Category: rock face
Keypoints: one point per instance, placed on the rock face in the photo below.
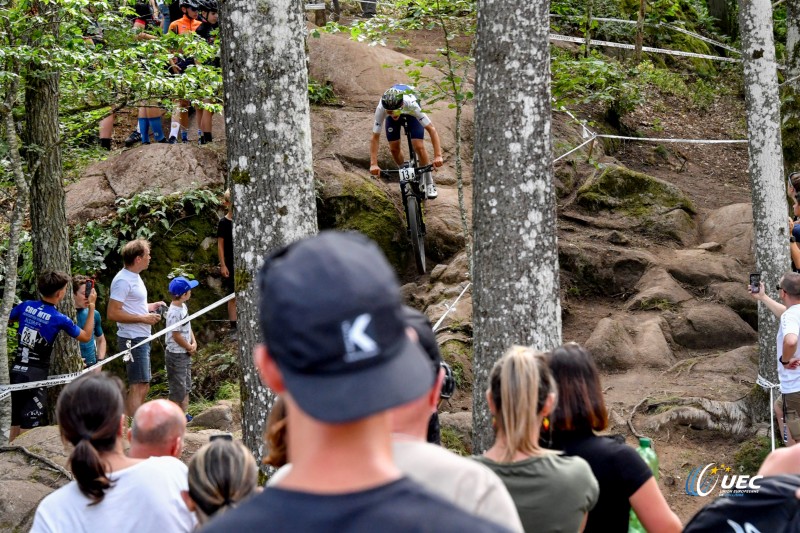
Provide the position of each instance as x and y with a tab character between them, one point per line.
219	417
732	227
603	269
700	268
658	290
611	345
703	326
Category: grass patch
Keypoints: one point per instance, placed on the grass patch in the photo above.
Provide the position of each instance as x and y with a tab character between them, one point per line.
228	391
452	442
660	304
751	454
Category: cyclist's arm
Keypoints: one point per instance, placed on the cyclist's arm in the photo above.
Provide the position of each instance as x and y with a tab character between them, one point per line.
437	145
373	149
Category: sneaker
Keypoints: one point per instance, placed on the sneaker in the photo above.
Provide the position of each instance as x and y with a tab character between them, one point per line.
189	417
431	191
162	141
172	139
132	139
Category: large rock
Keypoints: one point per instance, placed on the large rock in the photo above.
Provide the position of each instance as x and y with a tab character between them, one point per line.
611	345
735	295
732	227
739	362
652	348
166	168
602	269
709	325
700	268
219	416
658	290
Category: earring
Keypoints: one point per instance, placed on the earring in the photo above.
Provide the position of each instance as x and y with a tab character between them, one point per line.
494	423
546	423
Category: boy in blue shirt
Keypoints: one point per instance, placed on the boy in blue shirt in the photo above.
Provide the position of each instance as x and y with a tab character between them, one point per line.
39	323
94	349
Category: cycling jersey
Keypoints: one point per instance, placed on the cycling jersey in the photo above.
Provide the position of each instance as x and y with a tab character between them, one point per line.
410	107
183	25
39	322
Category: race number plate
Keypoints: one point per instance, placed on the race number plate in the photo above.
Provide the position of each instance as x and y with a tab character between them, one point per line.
407	174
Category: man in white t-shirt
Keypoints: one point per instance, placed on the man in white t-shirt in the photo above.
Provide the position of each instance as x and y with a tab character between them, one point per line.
157	431
787	408
128	307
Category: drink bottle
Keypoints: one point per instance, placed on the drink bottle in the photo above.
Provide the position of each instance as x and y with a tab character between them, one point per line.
647	453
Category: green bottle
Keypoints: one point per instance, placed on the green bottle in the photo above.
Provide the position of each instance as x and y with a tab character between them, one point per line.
649	455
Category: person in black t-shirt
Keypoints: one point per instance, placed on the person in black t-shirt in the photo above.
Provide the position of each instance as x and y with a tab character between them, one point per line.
225	250
625	479
338	352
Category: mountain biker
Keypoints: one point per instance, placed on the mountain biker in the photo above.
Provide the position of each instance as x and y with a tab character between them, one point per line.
400	100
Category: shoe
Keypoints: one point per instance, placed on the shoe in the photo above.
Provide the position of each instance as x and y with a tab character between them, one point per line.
431	191
162	141
172	139
132	139
145	142
189	417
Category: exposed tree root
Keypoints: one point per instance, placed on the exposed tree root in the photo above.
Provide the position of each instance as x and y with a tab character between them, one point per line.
55	466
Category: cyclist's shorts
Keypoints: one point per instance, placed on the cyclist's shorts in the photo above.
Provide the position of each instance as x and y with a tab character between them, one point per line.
393	128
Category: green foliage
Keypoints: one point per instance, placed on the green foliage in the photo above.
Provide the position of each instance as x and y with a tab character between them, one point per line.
228	391
321	93
452	442
751	454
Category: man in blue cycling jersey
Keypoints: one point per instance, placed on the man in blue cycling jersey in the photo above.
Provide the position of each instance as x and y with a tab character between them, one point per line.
399	100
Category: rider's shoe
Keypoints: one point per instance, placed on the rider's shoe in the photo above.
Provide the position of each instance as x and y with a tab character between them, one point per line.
430	190
132	139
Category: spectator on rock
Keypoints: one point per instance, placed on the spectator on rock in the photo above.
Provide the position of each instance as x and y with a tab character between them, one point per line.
787	407
338	352
225	250
552	492
222	474
111	492
128	307
181	343
39	323
157	431
624	478
94	349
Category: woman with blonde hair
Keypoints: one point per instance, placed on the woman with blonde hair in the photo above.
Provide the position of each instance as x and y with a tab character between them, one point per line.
221	474
552	492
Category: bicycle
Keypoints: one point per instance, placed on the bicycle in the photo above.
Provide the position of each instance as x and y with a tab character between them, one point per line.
413	195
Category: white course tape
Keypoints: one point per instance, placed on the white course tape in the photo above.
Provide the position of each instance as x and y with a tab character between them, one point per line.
690	141
581	40
586	131
562	156
450	308
5	390
766	384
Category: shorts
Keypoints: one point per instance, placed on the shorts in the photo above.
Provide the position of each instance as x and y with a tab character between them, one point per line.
28	407
179	375
139	368
792	412
393	128
228	284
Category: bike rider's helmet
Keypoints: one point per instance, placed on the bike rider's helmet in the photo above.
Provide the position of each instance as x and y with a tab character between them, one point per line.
392	99
193	4
209	5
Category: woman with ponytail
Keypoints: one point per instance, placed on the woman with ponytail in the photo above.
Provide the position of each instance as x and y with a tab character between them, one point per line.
553	493
221	474
110	491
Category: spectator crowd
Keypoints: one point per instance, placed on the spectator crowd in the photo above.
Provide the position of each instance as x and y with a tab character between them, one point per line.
358	378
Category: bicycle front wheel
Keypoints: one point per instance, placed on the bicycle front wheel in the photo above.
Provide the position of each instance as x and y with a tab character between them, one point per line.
414	217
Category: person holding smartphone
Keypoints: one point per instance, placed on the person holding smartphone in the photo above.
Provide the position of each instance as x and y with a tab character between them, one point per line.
94	349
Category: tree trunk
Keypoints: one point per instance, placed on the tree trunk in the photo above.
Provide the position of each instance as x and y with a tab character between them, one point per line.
269	154
765	165
516	292
48	213
790	96
587	37
637	55
723	12
12	253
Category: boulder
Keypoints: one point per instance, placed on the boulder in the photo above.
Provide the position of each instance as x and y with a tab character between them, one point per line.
167	168
735	295
658	290
709	325
652	349
456	271
732	227
602	269
700	268
611	345
739	362
461	424
676	225
219	416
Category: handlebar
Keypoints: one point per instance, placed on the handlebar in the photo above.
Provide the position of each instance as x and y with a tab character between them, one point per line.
417	170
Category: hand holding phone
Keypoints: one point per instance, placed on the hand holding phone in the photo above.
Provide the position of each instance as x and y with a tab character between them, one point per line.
755	283
89	287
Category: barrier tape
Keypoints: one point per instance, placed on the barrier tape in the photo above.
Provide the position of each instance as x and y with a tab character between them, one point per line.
562	156
62	379
580	40
586	131
690	141
766	384
450	308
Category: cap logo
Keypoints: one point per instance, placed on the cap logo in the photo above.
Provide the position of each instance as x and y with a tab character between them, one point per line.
358	344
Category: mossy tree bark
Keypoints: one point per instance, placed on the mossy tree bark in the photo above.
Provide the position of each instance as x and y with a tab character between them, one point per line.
48	213
269	156
765	164
516	292
790	93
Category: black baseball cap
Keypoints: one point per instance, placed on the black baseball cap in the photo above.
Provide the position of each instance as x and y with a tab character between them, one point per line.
332	320
426	337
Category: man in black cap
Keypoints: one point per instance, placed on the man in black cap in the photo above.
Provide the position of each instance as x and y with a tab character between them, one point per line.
338	352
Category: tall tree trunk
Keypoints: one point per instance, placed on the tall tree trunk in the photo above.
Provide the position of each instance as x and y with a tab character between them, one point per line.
637	55
12	253
516	292
722	10
48	213
269	154
765	164
790	93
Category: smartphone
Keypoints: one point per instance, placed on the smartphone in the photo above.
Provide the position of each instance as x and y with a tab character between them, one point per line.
89	287
755	283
